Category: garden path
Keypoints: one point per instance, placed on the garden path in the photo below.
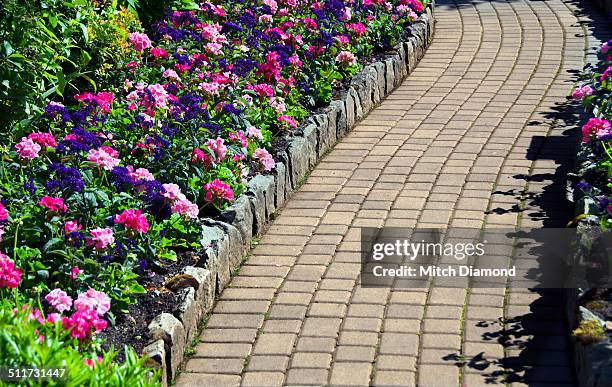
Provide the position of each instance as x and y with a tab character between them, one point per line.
476	134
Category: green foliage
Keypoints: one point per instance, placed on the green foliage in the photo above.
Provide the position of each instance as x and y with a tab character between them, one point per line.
589	331
52	48
26	342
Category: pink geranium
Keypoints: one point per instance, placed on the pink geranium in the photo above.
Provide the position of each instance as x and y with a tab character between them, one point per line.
133	219
265	159
82	323
288	120
102	158
93	300
185	207
582	91
27	149
595	127
357	28
253	132
58	299
172	192
140	174
346	57
3	213
43	139
102	237
159	53
72	226
53	204
74	273
217	190
140	41
10	276
217	147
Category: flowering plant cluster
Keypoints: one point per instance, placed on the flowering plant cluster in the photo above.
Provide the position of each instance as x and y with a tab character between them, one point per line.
107	187
596	96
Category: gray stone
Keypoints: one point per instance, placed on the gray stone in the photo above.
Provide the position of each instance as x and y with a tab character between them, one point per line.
258	207
263	187
240	216
188	312
310	134
362	85
389	74
168	328
156	359
333	113
430	25
341	127
205	294
411	60
321	122
351	102
218	252
237	247
380	79
298	159
372	86
280	182
399	70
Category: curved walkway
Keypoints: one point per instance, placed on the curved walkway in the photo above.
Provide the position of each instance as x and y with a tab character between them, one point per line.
473	135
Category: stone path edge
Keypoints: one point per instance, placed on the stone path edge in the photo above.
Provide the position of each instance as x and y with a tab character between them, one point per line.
229	238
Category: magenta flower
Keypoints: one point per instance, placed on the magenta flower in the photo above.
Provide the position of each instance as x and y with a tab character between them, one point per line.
133	219
43	139
218	191
288	120
53	204
82	323
582	91
595	127
58	299
159	53
72	226
27	149
185	207
10	276
74	273
3	212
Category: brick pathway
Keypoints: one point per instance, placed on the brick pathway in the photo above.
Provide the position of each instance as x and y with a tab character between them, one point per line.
472	136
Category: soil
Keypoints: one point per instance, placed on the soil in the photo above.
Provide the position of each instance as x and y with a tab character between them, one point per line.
131	328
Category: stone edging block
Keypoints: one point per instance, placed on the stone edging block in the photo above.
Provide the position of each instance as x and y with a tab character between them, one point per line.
227	240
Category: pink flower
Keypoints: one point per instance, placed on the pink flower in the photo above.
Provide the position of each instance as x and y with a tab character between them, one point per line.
140	41
264	90
43	139
133	219
101	158
217	147
160	95
213	48
54	317
605	48
159	52
185	207
346	57
72	226
272	4
218	191
582	91
253	132
75	272
58	299
606	74
357	28
3	212
105	99
199	156
140	174
102	237
10	276
83	322
93	300
595	126
265	159
211	88
27	149
171	74
173	192
53	204
288	120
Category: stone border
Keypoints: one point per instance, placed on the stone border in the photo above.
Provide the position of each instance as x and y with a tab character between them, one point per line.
228	238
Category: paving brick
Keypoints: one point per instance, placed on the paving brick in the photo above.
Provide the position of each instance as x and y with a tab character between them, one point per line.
307	376
311	360
274	344
438	375
221	366
188	379
262	379
394	378
268	363
351	374
399	344
396	362
355	353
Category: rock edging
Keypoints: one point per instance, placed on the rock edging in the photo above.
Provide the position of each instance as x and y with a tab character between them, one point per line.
228	238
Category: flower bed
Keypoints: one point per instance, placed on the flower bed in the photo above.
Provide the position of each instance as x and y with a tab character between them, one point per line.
589	310
103	202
